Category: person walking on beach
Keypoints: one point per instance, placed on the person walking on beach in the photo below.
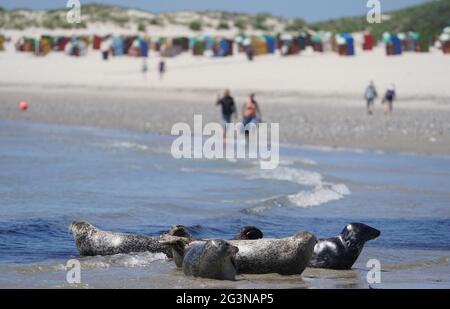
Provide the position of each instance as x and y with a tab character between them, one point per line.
388	100
251	115
106	48
250	111
228	109
228	106
370	96
162	69
249	52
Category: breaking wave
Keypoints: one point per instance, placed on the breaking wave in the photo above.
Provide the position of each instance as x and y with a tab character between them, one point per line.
315	191
128	145
119	260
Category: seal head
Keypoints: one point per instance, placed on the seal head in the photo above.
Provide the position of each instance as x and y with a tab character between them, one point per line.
179	230
213	259
249	233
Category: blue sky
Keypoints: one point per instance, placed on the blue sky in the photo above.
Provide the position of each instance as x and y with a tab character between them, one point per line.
310	10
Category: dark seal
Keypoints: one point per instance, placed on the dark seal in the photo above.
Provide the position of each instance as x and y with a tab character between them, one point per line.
249	233
342	251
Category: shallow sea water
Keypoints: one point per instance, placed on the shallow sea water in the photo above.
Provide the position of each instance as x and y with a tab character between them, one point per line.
126	181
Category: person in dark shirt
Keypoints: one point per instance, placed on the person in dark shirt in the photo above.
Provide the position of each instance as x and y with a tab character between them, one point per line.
250	53
388	100
161	69
228	106
228	109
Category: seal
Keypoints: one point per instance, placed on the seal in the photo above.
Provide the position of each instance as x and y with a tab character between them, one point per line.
249	233
245	233
213	259
178	247
91	241
342	251
178	230
287	256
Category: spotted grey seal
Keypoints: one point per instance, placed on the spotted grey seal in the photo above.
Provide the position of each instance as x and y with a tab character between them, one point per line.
341	252
288	256
91	241
213	259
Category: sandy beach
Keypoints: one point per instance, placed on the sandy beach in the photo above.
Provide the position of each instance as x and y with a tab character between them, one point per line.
316	98
417	125
416	75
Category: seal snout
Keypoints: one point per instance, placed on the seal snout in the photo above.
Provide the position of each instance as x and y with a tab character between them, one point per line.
373	233
233	249
360	231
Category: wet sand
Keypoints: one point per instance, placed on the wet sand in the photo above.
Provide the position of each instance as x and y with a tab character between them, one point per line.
418	124
140	271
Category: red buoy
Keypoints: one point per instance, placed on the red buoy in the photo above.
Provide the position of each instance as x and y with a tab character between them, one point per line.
23	106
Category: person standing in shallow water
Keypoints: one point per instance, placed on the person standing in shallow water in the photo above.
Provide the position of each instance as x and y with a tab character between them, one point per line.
252	115
370	95
388	100
228	108
251	111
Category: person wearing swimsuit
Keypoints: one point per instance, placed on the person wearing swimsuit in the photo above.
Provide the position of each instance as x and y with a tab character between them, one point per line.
251	111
